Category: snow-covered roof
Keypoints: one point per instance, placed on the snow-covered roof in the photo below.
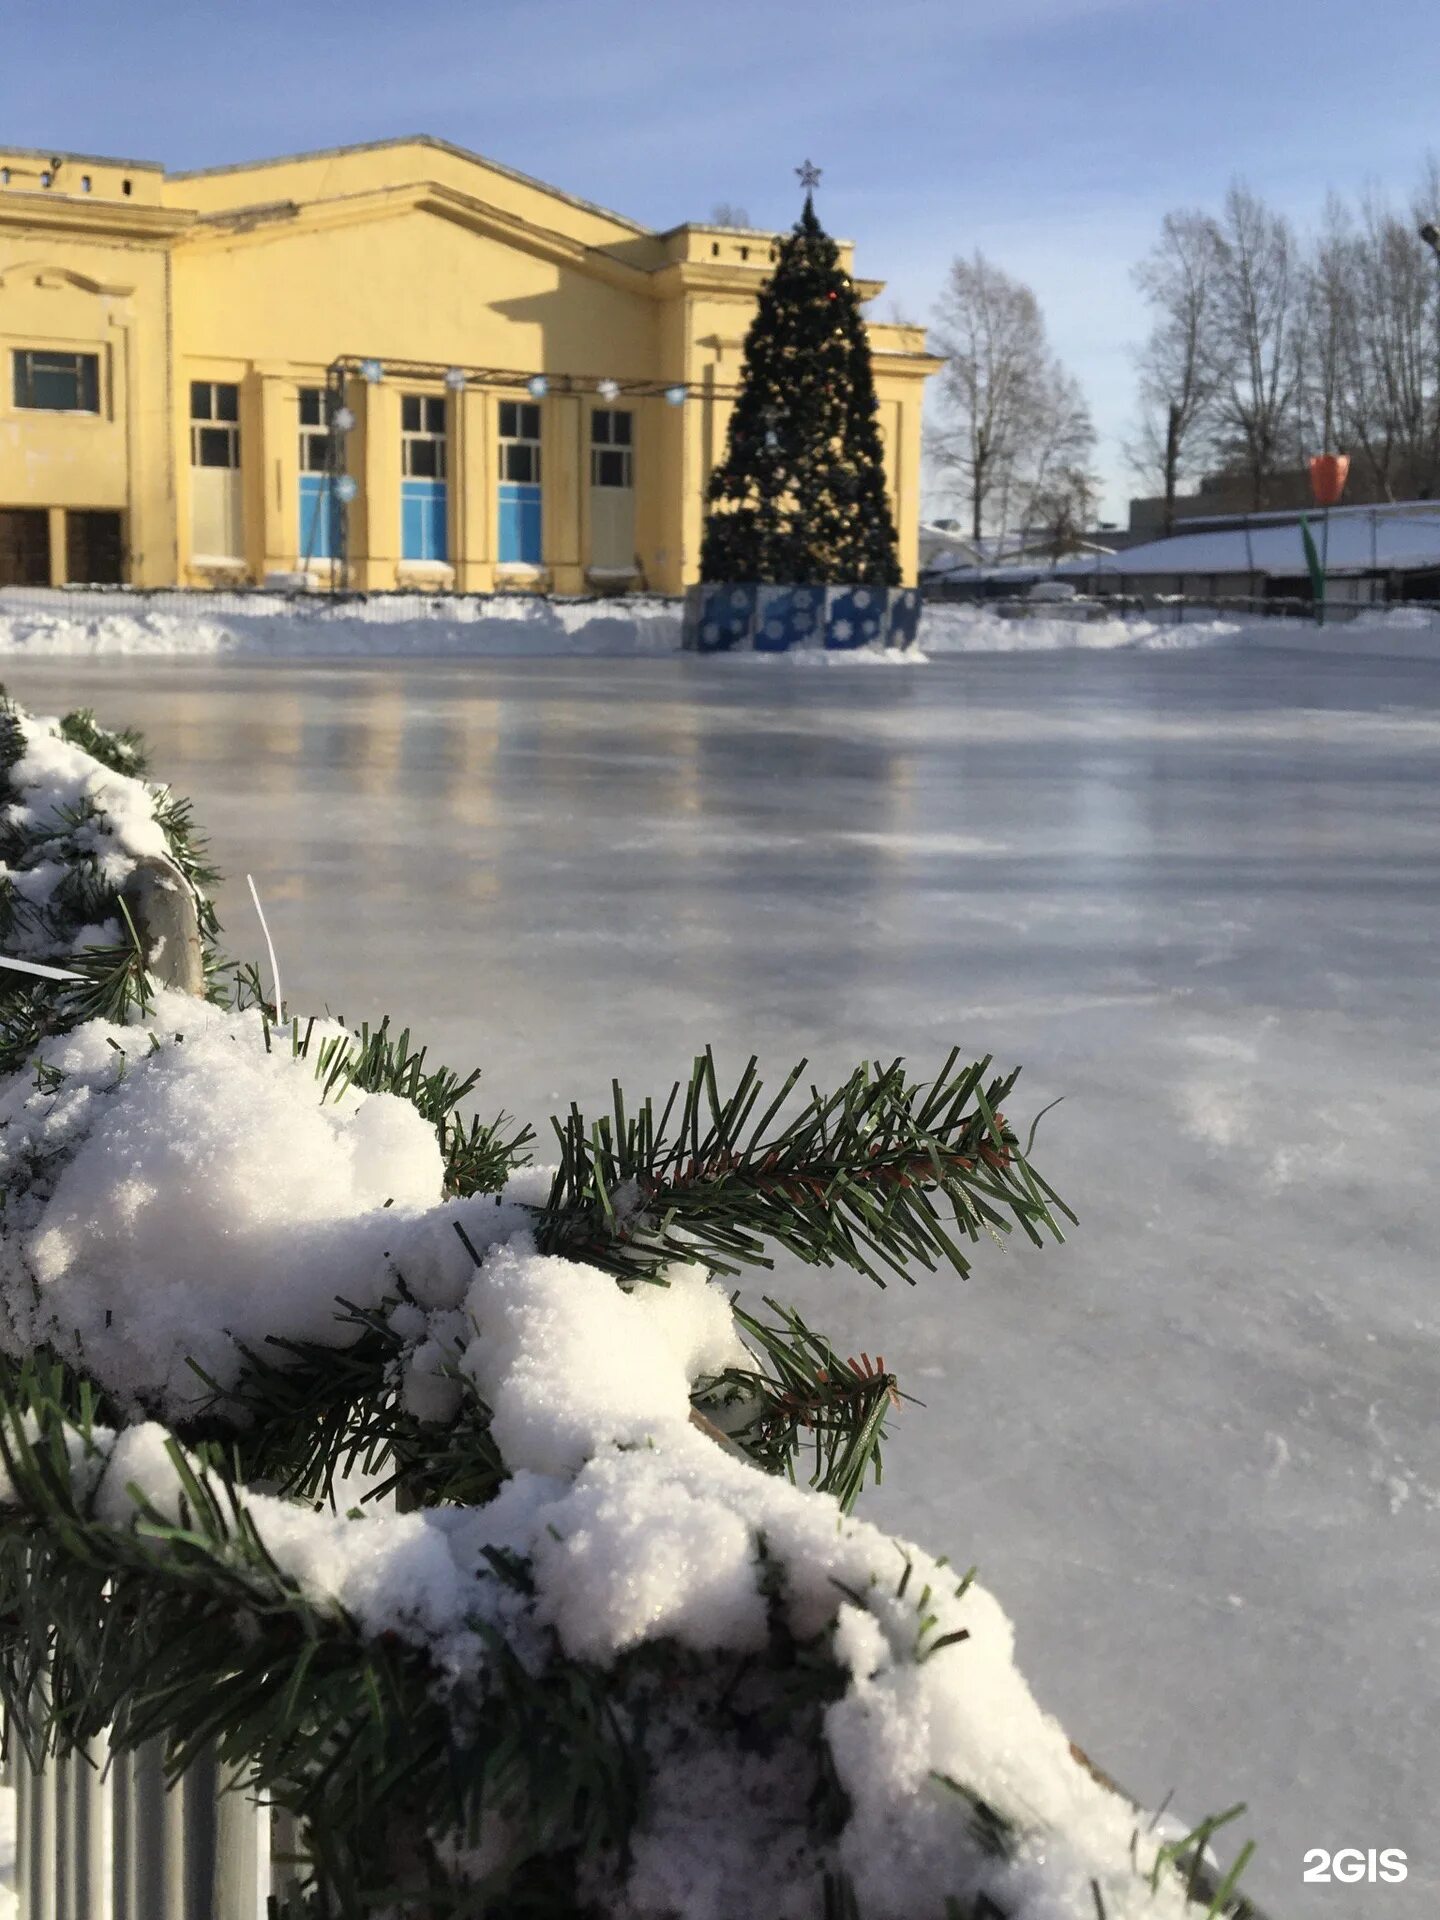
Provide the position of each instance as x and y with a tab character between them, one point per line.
1361	539
946	546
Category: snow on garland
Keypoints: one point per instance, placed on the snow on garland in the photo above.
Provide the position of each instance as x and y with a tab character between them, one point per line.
834	1717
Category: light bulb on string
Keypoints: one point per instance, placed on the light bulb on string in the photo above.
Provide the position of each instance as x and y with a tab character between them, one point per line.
342	420
537	386
372	371
455	379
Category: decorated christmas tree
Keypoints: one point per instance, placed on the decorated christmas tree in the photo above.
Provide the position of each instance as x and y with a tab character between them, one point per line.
456	1505
800	497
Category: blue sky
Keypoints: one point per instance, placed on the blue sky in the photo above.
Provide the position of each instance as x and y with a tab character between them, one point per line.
1050	133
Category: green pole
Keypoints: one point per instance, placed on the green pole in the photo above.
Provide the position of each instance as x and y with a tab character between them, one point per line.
1317	572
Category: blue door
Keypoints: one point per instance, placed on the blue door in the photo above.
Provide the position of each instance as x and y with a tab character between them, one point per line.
319	519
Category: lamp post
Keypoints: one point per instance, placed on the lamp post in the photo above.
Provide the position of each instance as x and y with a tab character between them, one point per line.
1430	234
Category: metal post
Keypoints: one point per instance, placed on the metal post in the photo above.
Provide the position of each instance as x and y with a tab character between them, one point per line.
243	1839
38	1894
334	500
21	1780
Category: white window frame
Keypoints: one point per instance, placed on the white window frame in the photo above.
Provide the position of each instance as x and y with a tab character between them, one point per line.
77	354
601	445
432	406
525	410
315	434
210	423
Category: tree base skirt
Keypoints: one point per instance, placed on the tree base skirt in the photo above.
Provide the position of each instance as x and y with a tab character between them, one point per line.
724	619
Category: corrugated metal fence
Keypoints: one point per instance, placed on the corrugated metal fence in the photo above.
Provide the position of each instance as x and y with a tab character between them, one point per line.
99	1837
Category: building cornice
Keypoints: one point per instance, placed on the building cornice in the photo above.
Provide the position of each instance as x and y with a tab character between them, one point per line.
270	220
905	366
42	213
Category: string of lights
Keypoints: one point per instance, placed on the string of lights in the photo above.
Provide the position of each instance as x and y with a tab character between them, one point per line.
459	378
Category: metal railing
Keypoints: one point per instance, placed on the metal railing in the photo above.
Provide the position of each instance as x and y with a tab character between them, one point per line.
397	604
99	1836
1176	608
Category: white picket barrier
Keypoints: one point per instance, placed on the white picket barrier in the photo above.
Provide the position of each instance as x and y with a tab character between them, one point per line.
99	1837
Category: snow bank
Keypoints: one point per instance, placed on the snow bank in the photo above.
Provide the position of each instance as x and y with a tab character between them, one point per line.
312	628
953	628
518	625
1397	632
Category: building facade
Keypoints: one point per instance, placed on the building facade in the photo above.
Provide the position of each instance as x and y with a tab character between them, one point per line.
534	390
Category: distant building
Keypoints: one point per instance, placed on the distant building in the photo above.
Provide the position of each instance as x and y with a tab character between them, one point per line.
1231	494
1372	554
166	340
952	558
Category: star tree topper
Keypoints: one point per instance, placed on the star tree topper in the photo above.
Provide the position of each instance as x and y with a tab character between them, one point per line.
809	176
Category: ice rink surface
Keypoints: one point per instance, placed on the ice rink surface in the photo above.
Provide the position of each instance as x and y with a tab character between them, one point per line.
1197	893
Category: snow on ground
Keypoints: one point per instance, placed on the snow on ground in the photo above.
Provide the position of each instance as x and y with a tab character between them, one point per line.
39	624
125	622
951	627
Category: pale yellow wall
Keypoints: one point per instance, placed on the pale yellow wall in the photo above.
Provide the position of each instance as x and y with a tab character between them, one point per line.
414	252
82	294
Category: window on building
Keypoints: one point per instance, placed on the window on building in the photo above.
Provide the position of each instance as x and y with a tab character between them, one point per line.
57	382
519	469
217	505
315	410
214	423
319	505
610	448
612	500
520	442
422	436
424	497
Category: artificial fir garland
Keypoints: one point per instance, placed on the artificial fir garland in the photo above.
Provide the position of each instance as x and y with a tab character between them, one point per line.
502	1752
800	497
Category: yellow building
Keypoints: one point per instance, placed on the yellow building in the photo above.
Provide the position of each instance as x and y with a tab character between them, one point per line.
175	346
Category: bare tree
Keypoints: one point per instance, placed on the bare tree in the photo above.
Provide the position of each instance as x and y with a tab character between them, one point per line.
1261	353
1368	370
1395	348
1180	363
1059	488
1008	417
1258	286
726	214
1332	407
